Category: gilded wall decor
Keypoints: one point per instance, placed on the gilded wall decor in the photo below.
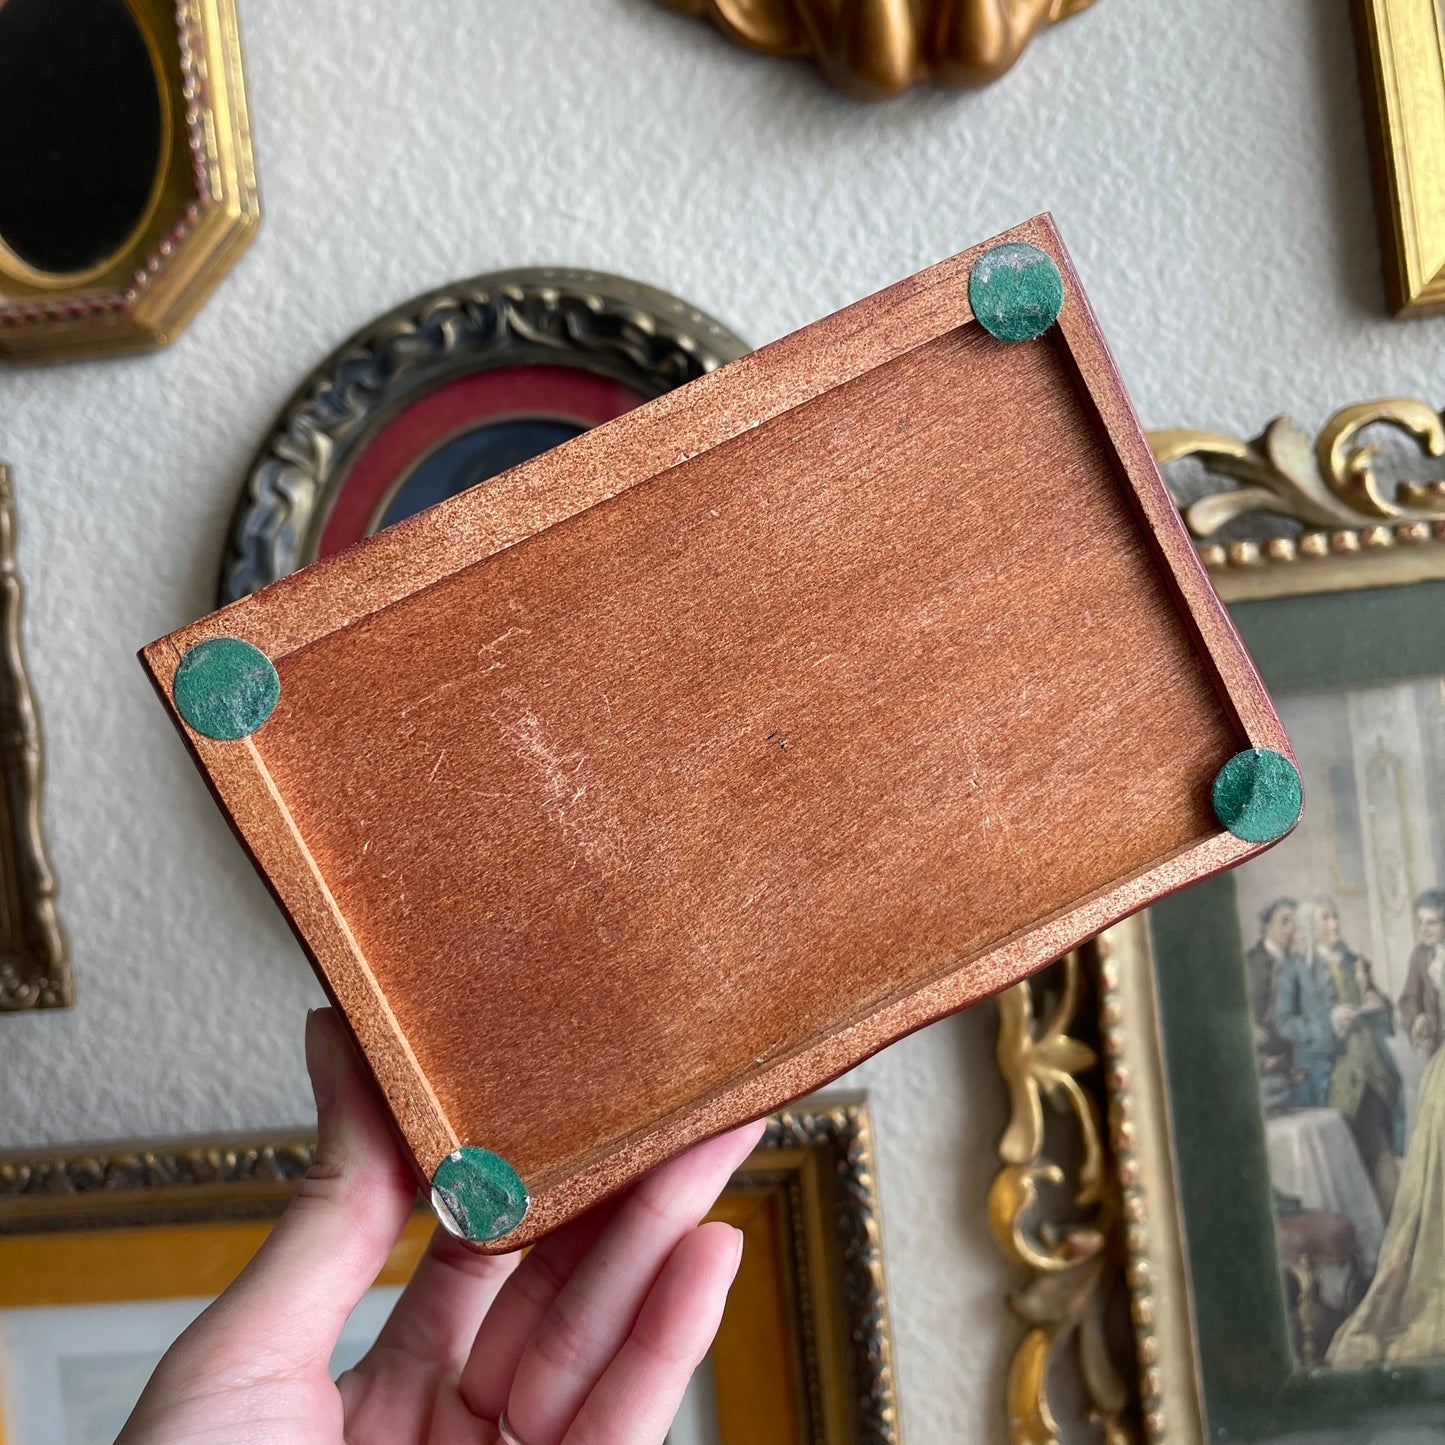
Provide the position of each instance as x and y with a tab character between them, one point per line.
447	389
1071	1265
804	1355
1402	53
34	967
1265	1294
1339	493
877	48
127	187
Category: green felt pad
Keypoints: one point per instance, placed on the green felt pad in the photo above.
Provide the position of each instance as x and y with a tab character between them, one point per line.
225	688
477	1195
1015	291
1257	795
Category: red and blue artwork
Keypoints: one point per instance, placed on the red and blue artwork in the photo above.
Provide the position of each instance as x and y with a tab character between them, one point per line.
462	434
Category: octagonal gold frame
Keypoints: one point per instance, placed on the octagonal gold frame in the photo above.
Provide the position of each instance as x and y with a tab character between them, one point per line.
201	213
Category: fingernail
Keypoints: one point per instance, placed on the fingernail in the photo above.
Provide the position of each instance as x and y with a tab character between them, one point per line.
738	1257
321	1058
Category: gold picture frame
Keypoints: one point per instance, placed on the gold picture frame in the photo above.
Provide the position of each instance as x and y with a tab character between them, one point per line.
804	1356
202	210
1402	53
1328	515
34	961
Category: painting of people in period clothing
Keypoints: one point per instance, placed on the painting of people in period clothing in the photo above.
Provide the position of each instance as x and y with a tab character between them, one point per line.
1344	960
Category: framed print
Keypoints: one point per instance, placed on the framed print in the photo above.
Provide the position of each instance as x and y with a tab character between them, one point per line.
450	389
1402	54
1265	1195
105	1257
127	185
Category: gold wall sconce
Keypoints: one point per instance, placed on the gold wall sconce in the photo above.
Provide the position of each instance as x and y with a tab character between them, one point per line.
877	48
127	188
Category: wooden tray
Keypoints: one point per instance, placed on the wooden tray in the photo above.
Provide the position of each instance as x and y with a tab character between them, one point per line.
665	777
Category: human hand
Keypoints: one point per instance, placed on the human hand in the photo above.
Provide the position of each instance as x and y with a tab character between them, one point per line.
1343	1017
1422	1032
591	1338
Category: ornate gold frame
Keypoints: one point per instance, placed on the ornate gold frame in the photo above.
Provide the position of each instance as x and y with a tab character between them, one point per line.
805	1356
876	48
1086	1040
34	968
1070	1267
203	209
1349	523
1402	52
551	315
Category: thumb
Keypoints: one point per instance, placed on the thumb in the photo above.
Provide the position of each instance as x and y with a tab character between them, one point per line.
328	1247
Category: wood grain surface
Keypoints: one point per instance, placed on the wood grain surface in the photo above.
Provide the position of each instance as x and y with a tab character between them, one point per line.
669	775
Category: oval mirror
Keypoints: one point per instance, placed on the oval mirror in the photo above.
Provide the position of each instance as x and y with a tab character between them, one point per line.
80	130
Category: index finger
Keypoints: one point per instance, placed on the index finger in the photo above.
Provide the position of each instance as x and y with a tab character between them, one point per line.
549	1336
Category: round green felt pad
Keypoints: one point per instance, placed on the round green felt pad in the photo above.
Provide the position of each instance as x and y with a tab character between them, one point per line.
1257	795
477	1195
225	688
1015	291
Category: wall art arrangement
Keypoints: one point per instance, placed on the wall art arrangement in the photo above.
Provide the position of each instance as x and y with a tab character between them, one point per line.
1265	1046
1249	1078
1402	55
127	187
876	48
105	1257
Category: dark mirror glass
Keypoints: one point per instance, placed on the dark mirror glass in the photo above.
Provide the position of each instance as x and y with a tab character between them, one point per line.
80	130
473	457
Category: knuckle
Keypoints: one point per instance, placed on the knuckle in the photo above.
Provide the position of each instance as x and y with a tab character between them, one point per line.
456	1258
559	1341
665	1355
325	1179
654	1210
538	1281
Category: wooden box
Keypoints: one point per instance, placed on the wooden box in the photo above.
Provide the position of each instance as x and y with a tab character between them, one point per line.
665	777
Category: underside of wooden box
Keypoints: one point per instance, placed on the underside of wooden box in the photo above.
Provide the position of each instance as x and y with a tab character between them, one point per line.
667	776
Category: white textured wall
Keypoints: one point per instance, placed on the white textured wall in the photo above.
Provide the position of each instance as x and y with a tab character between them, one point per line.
1206	162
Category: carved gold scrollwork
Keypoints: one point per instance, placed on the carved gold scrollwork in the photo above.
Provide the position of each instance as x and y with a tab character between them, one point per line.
1070	1265
876	48
1335	486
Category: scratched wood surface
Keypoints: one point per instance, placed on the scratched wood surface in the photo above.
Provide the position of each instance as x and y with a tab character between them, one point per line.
655	810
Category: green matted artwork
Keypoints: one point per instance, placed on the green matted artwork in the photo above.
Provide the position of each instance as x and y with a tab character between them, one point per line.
1306	1089
1254	1069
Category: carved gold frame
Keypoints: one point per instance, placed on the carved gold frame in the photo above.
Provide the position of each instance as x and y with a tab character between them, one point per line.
34	966
1402	51
533	315
202	212
805	1356
1084	1039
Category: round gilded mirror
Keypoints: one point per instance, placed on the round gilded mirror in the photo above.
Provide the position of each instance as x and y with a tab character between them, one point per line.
80	131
